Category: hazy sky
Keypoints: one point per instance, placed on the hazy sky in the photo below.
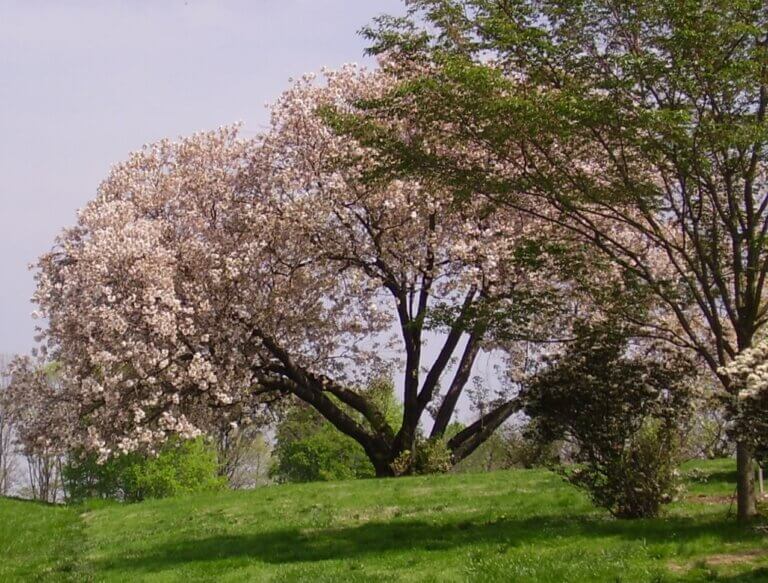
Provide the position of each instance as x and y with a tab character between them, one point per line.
82	83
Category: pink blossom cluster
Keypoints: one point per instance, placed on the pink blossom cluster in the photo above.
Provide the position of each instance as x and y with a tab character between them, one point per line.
212	273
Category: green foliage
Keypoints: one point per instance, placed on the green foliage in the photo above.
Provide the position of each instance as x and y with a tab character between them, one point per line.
621	412
83	478
490	456
522	525
180	468
637	479
525	451
641	120
429	456
183	468
308	448
509	448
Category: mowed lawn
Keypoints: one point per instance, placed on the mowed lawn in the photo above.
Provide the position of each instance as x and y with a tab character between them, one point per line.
504	526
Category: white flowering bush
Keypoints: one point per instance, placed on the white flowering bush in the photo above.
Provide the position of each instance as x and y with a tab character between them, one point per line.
748	374
619	408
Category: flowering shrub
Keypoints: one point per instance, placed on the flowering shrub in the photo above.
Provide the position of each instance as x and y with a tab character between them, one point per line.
749	410
620	409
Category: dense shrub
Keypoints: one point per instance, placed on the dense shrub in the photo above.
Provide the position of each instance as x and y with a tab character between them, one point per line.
620	408
316	451
639	478
180	468
429	456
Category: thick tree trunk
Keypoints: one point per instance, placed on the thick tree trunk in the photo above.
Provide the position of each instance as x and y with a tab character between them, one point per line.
745	482
382	467
745	463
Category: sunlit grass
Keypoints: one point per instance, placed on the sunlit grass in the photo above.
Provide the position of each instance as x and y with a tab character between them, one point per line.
504	526
38	541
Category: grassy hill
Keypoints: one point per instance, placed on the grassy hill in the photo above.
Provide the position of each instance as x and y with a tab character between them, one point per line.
504	526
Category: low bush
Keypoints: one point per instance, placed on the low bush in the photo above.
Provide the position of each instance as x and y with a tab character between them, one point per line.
637	481
619	408
181	467
429	456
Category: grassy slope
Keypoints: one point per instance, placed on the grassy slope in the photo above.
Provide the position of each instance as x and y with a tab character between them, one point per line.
505	526
37	541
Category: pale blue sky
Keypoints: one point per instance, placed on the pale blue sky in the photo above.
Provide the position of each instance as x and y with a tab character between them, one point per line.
82	83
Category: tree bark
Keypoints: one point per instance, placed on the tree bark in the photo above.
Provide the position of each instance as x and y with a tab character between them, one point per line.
448	406
468	440
745	482
381	460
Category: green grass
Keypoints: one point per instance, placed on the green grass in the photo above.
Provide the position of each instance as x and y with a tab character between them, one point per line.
504	526
37	541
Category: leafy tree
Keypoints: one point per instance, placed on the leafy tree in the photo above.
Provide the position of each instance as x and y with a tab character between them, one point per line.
621	411
244	454
180	468
33	411
708	431
513	447
491	456
637	127
8	460
308	448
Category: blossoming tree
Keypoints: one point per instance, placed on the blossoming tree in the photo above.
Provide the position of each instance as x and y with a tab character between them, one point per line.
214	275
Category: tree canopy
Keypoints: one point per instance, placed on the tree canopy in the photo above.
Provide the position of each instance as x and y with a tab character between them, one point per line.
637	127
214	275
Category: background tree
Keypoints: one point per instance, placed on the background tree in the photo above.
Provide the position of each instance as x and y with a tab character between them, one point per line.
44	473
8	458
245	455
638	127
515	446
179	468
41	419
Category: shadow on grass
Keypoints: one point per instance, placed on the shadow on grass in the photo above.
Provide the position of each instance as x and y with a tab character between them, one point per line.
30	502
755	575
724	476
354	542
760	575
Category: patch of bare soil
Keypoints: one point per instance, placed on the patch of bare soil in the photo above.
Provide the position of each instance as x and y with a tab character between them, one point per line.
677	568
720	560
736	558
708	499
